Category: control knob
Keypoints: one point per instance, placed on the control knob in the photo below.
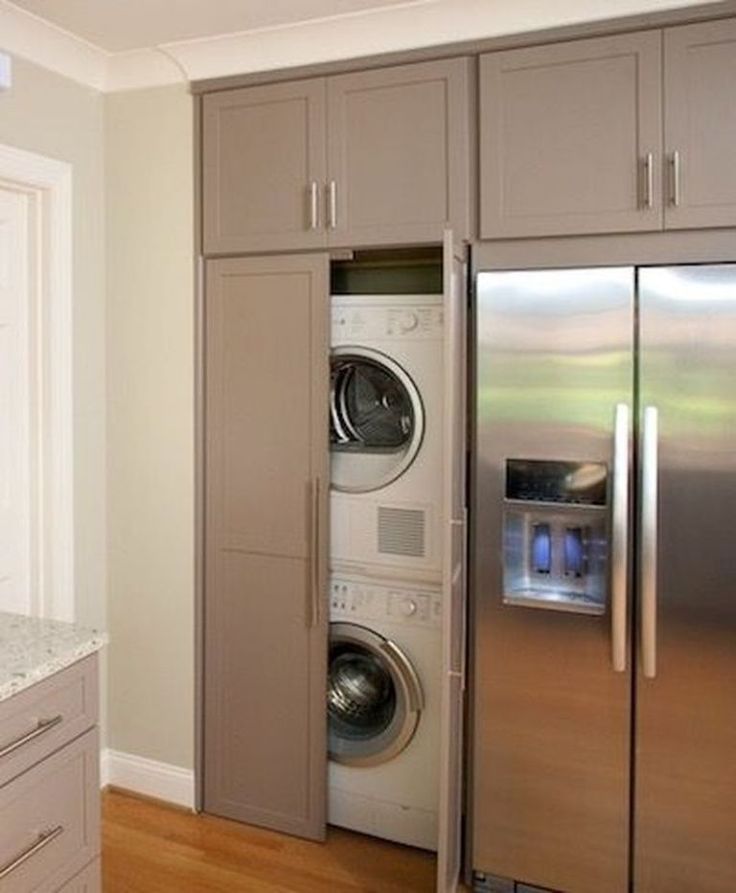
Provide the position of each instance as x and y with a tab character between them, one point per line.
408	321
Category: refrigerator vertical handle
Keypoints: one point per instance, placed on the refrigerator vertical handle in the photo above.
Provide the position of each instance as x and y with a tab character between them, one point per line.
620	538
649	520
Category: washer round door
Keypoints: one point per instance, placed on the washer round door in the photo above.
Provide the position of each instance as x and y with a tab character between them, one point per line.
374	697
376	419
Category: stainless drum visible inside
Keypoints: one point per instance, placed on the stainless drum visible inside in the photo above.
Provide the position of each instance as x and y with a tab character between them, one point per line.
374	698
376	419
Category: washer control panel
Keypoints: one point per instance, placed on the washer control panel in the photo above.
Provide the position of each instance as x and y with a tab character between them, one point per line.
353	600
358	323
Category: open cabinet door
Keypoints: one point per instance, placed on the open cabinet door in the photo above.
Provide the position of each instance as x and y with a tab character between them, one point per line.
454	570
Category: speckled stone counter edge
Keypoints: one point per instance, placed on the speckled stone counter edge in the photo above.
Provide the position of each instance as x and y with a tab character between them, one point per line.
31	649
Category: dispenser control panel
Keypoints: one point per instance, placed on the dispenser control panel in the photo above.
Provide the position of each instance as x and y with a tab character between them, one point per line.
556	535
571	483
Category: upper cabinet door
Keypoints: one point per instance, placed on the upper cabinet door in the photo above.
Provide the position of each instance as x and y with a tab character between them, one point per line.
700	124
399	154
570	138
263	165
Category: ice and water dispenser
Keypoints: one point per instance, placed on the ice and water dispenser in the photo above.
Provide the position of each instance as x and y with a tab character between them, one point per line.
555	535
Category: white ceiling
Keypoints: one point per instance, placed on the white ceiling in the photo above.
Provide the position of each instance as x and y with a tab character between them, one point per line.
122	25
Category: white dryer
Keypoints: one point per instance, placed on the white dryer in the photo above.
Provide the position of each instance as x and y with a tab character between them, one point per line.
386	435
384	693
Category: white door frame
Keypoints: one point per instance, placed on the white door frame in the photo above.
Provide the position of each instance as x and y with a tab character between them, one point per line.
48	184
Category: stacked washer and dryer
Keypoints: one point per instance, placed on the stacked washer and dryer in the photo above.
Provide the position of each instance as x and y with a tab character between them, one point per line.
384	686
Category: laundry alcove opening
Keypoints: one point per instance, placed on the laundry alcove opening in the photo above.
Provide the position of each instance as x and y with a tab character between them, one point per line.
394	271
383	682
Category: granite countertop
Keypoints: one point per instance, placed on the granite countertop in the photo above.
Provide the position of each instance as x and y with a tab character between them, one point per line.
32	649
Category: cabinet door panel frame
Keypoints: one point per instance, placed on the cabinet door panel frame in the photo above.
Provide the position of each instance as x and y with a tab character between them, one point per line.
265	600
451	173
291	225
704	153
637	211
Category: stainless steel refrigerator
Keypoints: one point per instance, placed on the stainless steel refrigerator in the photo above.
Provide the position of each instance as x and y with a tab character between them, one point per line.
604	581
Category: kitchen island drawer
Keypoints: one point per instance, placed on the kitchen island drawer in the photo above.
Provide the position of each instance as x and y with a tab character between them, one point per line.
44	717
50	820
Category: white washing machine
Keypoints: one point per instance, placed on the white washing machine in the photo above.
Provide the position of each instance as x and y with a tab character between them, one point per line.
384	702
386	412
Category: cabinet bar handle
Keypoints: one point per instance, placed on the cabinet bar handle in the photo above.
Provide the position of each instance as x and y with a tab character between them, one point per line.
43	840
332	204
44	725
676	172
315	558
649	521
620	539
313	205
648	197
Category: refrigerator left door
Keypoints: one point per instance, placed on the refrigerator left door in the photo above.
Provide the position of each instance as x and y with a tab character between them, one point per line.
550	482
267	482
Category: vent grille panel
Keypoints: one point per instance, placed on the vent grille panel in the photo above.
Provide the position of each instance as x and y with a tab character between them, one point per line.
401	531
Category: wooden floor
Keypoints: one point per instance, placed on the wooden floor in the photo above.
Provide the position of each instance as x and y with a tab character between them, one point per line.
152	848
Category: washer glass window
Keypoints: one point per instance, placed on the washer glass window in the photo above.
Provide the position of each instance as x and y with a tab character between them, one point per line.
374	697
376	419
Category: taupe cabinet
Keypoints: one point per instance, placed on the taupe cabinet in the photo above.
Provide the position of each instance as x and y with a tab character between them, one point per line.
267	478
564	133
571	137
700	124
263	155
50	785
369	158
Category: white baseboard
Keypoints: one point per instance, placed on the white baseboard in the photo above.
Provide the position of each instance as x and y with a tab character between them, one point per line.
149	777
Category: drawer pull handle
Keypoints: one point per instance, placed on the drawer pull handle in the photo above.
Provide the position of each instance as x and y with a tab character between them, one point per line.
44	725
43	840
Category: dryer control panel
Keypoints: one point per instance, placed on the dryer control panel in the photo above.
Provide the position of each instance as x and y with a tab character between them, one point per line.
356	601
357	321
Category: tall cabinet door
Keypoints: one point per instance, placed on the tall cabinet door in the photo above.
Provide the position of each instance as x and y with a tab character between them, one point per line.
570	138
399	153
263	165
685	811
454	588
265	614
700	124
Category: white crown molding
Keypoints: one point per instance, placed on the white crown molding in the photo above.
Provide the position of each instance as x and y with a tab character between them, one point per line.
391	29
413	24
140	775
139	69
34	39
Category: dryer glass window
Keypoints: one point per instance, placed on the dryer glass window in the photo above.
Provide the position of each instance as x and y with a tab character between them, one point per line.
361	694
376	420
374	697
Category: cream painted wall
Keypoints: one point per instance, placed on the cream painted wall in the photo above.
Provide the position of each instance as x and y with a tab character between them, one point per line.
50	115
150	418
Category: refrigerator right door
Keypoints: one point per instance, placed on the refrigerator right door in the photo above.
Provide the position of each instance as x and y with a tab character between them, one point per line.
685	754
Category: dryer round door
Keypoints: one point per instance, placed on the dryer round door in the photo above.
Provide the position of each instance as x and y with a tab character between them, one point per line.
376	419
374	697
